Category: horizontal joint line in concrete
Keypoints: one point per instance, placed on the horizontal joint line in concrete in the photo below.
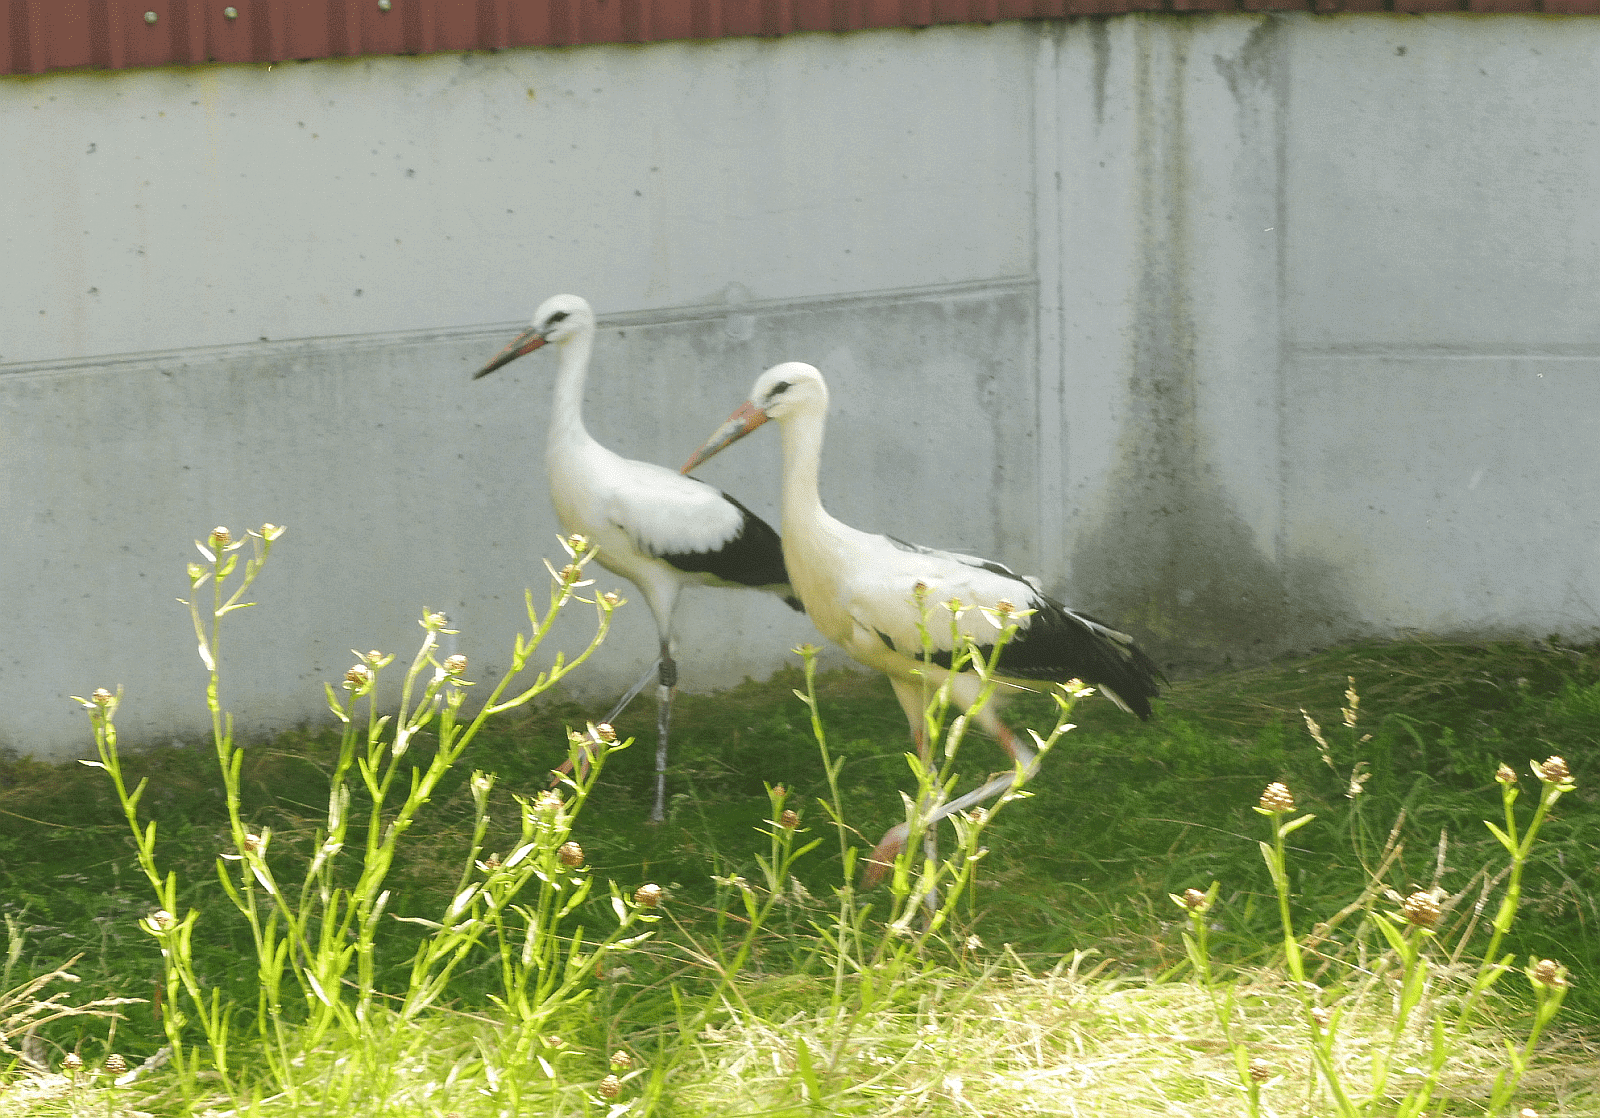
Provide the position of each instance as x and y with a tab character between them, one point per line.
1581	352
662	316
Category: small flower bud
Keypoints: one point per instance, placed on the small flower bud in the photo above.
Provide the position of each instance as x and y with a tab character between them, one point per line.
647	896
1553	771
1505	774
1277	800
1548	972
357	677
571	855
433	622
72	1062
606	733
1322	1016
554	1041
162	920
1527	1112
621	1061
253	843
571	573
610	1087
115	1064
270	532
1004	607
1195	901
1421	909
455	665
790	819
577	543
1260	1070
220	539
489	864
973	943
611	598
548	802
101	697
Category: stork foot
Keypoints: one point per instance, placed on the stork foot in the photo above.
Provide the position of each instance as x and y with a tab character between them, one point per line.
881	860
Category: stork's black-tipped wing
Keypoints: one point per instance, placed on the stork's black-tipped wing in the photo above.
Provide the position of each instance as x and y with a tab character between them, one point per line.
751	555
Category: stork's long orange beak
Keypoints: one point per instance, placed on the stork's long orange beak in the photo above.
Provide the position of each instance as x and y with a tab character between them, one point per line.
526	342
739	424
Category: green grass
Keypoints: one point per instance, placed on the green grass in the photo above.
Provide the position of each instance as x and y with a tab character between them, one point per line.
1122	815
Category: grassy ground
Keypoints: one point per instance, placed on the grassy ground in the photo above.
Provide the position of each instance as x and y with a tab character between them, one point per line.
1011	1020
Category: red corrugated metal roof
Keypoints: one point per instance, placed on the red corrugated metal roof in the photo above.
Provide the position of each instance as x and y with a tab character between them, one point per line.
40	35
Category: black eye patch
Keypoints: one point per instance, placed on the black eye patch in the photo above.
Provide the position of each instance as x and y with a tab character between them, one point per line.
555	318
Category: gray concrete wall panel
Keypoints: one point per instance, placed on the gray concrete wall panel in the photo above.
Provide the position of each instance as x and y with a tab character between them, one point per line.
1250	332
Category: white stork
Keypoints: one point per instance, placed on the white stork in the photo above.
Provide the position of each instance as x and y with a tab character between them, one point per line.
860	591
655	528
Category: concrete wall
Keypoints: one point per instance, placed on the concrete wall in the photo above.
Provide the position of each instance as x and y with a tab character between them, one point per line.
1254	332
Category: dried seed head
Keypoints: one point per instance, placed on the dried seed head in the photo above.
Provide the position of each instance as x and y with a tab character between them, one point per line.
1553	771
220	538
790	819
357	677
115	1064
72	1062
1548	972
647	896
1505	774
1195	901
1322	1016
455	665
1260	1070
101	697
1421	909
610	1087
1277	799
621	1061
571	855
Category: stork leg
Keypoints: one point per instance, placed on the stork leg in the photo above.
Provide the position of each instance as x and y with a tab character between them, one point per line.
666	687
610	720
1025	763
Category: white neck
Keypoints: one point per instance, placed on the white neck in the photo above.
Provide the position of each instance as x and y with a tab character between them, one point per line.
566	412
802	459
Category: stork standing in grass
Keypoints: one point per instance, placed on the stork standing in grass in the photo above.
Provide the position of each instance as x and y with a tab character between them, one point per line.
657	529
861	592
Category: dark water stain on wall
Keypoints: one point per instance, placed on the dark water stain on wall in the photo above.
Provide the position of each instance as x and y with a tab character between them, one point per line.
1172	559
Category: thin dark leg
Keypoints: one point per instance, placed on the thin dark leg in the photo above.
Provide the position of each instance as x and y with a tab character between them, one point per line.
666	687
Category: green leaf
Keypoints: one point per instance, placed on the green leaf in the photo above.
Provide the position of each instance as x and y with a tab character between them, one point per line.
1295	825
808	1074
1505	839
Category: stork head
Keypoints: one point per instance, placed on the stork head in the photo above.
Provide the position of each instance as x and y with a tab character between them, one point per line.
558	319
781	391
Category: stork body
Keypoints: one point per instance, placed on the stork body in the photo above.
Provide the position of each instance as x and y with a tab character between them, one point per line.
657	529
860	591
